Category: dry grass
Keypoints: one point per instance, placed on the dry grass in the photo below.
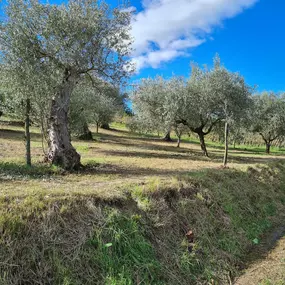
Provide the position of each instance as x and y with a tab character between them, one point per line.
114	158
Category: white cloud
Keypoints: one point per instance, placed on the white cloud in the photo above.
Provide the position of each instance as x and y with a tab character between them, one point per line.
154	58
165	29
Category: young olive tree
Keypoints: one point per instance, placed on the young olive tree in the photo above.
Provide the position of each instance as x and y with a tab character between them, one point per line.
268	118
21	99
68	41
179	129
232	96
16	101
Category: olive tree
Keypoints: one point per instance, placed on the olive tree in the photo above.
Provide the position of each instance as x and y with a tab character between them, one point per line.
68	41
22	99
93	105
232	97
149	105
268	119
192	104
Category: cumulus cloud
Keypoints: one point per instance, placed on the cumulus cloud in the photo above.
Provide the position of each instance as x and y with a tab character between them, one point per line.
166	29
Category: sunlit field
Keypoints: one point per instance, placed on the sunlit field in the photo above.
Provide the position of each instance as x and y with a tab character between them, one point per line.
115	157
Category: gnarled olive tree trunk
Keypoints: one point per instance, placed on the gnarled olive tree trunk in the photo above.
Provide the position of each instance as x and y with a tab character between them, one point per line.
201	136
61	152
86	134
268	145
268	141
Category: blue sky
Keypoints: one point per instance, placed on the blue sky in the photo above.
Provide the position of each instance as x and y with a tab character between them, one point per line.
248	34
251	42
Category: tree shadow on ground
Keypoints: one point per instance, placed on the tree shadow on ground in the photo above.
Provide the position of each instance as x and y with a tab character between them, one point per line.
126	172
18	135
149	144
14	171
190	155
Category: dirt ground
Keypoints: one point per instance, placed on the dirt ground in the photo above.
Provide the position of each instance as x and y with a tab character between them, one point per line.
269	270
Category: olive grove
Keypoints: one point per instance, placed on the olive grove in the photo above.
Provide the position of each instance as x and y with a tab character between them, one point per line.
200	103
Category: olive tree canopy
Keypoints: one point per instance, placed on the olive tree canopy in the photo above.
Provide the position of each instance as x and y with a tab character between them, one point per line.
268	118
65	42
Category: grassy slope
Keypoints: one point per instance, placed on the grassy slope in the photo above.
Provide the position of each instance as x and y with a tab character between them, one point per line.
124	219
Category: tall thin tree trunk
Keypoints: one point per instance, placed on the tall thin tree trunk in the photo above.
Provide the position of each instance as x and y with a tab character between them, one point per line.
202	143
27	133
226	144
97	128
61	152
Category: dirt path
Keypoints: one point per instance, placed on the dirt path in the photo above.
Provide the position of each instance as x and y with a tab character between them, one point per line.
269	270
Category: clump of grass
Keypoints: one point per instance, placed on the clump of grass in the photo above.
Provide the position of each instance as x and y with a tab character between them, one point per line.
123	253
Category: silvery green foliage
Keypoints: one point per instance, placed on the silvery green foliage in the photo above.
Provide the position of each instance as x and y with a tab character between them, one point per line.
80	36
39	42
61	44
16	89
149	106
268	118
200	103
94	104
211	95
231	94
191	102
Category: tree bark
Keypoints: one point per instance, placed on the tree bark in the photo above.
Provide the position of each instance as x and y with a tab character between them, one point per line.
86	133
61	152
178	142
105	126
226	144
27	133
97	128
167	137
202	143
268	145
